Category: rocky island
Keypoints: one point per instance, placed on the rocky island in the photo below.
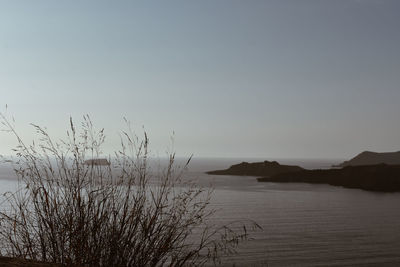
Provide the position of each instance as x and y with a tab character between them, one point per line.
266	168
97	162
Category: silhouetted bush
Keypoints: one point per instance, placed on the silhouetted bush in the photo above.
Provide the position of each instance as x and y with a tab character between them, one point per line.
71	211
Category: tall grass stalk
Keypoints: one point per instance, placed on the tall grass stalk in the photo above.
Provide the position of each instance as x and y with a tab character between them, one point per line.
72	212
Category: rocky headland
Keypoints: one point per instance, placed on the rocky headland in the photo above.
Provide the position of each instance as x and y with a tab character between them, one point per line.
372	158
266	168
380	177
368	171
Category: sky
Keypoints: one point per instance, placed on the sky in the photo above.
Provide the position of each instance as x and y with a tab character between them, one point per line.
273	79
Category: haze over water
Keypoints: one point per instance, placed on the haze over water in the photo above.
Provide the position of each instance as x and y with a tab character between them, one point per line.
303	224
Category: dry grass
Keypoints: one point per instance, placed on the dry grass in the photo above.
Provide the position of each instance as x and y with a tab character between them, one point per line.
15	262
72	213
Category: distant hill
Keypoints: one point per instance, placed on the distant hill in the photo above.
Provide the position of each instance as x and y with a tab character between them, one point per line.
381	177
265	168
371	158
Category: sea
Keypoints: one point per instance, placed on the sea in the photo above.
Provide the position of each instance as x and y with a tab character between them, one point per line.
302	224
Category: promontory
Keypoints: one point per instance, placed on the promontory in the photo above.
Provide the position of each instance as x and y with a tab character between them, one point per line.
266	168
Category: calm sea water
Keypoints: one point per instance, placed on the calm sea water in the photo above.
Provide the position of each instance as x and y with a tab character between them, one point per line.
303	224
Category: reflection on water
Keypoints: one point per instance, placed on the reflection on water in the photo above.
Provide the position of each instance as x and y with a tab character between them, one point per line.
309	226
304	225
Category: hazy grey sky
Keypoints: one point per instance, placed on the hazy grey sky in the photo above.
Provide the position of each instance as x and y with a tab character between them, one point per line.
231	78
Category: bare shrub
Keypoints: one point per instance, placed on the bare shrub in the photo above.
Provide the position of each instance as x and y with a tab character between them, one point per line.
74	212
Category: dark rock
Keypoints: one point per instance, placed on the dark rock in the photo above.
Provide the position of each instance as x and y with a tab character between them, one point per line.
265	168
380	177
97	162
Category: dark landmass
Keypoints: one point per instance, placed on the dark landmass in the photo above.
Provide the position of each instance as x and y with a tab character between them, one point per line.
380	177
265	168
372	158
97	162
16	262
